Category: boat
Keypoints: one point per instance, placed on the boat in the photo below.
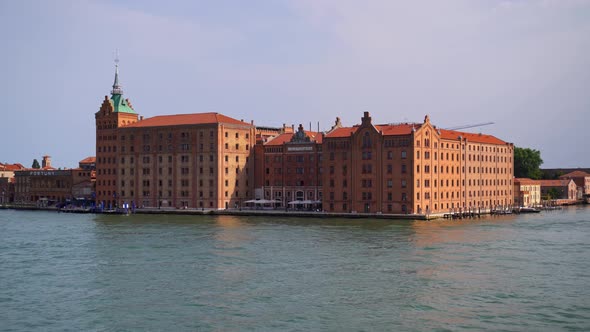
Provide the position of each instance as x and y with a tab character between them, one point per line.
524	209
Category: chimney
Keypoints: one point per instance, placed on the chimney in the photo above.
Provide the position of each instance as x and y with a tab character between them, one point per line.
46	162
366	119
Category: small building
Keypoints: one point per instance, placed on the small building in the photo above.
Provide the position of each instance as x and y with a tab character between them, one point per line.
527	192
582	180
565	189
49	186
7	181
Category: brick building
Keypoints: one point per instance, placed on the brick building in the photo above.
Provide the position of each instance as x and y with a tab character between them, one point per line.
114	113
48	186
7	181
288	169
414	168
582	180
209	160
181	161
565	189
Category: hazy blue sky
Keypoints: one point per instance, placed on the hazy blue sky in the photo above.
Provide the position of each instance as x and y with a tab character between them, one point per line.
523	64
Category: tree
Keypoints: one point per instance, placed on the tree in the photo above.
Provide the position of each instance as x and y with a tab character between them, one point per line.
553	193
527	162
36	164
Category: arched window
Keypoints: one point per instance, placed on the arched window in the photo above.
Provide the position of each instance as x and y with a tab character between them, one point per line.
366	140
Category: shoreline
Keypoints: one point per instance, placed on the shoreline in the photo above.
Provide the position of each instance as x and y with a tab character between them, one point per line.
243	212
272	212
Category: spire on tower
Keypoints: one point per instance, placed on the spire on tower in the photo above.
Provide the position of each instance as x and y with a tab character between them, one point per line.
117	88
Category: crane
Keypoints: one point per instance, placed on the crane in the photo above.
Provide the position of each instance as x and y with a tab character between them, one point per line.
470	126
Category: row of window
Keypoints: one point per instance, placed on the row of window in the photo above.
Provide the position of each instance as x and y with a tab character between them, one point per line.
477	193
289	183
367	196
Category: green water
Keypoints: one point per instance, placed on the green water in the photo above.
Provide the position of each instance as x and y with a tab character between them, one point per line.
64	272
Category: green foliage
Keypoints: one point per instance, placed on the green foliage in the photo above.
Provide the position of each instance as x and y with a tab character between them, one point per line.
527	162
36	164
553	193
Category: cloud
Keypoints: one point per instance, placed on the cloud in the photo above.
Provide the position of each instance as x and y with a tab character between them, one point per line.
522	64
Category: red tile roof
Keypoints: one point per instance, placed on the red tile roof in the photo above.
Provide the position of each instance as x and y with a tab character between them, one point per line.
575	174
88	160
12	167
398	129
554	183
286	137
342	132
526	181
185	119
478	138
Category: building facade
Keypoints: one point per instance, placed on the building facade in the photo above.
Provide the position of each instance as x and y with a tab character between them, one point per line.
185	161
115	112
7	182
414	168
209	160
565	189
48	186
582	180
527	192
172	161
288	169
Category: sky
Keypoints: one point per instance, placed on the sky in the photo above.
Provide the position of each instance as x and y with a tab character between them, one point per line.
522	64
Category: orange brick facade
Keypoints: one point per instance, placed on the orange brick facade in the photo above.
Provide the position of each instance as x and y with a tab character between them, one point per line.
107	124
212	161
414	168
288	169
199	165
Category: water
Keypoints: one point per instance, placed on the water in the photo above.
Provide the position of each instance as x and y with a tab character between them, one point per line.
64	272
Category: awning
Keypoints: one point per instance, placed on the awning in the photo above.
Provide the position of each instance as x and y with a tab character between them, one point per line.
303	202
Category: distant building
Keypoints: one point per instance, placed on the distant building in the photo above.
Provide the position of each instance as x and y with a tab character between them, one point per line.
565	189
582	180
48	186
414	168
7	181
527	192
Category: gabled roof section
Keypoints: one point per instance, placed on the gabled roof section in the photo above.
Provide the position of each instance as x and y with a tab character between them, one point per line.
281	139
398	129
575	174
555	183
186	119
526	181
88	160
385	129
12	167
478	138
341	132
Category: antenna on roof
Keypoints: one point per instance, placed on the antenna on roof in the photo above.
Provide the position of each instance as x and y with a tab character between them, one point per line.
470	126
116	56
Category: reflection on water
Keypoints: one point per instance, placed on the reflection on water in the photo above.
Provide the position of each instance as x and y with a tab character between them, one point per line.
162	272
